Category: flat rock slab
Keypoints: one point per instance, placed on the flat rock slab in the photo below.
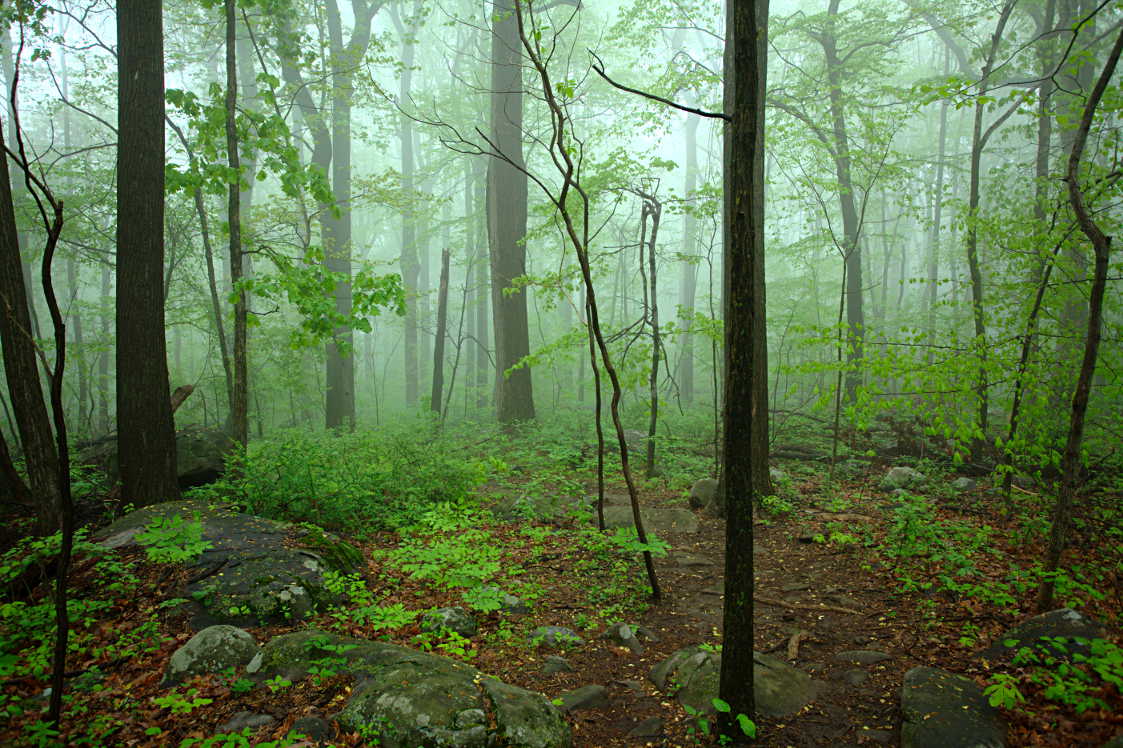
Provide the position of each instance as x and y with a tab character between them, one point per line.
944	710
253	570
659	520
779	688
862	656
412	699
585	697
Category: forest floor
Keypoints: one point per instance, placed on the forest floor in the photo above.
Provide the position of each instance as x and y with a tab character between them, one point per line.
839	566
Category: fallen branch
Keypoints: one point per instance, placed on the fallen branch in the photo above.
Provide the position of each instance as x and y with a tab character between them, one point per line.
793	643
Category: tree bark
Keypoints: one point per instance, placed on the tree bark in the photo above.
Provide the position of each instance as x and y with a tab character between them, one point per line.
688	283
746	47
239	402
506	211
411	265
145	431
21	369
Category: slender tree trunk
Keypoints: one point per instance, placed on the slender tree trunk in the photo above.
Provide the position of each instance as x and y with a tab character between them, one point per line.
145	430
1101	245
688	284
239	404
653	210
439	340
105	423
411	266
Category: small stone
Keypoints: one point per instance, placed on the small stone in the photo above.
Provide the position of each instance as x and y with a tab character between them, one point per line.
902	477
853	677
631	685
652	727
625	635
692	560
585	697
314	727
861	656
963	484
555	636
776	475
556	664
242	720
452	619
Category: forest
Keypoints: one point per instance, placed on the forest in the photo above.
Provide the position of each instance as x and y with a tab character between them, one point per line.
561	373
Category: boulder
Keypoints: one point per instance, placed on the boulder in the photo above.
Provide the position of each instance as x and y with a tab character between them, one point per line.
779	688
658	520
944	710
453	619
776	475
556	664
212	650
902	477
1063	622
201	454
652	727
242	720
410	699
250	572
316	728
862	656
624	635
702	493
508	603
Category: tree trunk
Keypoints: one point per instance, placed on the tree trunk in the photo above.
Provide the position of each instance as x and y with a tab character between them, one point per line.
746	47
439	339
653	210
411	266
21	369
239	402
506	210
1101	244
104	421
145	431
688	284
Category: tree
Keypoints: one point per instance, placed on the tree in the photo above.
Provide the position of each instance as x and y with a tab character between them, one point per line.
506	220
145	430
1101	246
239	416
21	370
745	79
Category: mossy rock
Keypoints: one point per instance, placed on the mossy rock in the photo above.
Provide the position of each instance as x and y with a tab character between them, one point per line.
340	555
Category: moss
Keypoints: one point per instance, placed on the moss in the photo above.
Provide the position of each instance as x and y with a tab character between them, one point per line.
340	555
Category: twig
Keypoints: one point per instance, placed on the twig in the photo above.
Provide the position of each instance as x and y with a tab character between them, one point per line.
598	66
806	606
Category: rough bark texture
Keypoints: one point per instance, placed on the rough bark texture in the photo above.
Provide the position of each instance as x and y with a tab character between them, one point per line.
21	369
411	265
744	166
145	431
506	212
239	400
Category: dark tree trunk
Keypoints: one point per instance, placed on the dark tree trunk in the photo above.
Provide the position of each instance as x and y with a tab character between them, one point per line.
439	339
506	211
746	47
239	402
21	368
654	210
145	431
104	422
1101	244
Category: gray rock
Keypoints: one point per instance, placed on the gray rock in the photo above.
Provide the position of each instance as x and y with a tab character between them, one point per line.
556	664
899	492
692	560
852	677
212	650
776	475
1063	622
249	573
316	728
409	699
453	619
944	710
652	727
902	477
657	520
624	635
200	455
963	484
509	603
702	493
555	636
779	688
242	720
585	697
861	656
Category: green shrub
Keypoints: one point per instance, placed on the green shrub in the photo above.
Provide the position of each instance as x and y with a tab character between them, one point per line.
365	481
